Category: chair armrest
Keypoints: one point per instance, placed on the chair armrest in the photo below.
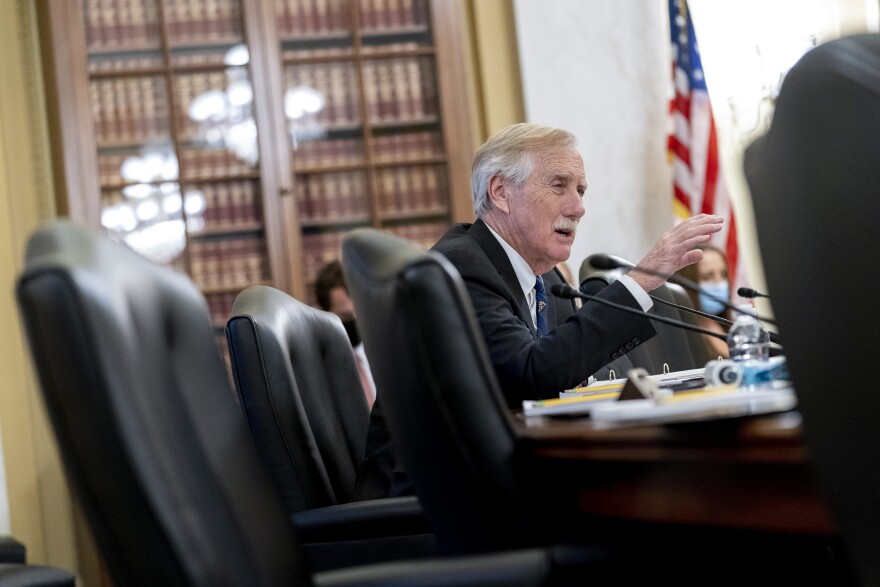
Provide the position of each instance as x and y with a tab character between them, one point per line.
11	550
376	518
17	575
521	568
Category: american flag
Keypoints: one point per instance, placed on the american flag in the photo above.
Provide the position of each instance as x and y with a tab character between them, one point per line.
693	144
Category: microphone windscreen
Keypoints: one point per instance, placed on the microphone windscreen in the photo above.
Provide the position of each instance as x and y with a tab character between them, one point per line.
561	290
746	292
602	261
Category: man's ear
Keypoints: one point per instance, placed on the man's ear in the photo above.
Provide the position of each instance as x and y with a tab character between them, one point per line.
499	193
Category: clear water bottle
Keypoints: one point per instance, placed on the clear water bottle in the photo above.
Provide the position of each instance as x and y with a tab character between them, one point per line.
747	340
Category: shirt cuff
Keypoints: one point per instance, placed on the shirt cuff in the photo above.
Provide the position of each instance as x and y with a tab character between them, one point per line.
637	292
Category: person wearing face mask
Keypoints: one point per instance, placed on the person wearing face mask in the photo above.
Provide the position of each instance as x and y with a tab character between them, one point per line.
332	295
711	273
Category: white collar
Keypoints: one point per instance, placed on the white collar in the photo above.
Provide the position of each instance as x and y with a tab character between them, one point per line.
524	273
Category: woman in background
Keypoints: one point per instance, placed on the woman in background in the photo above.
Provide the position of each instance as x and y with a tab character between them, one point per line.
712	276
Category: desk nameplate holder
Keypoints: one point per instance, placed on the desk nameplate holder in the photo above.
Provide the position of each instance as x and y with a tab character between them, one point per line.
639	385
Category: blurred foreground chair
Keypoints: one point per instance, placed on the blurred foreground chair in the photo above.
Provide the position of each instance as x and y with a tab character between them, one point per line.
298	384
153	442
673	349
814	179
14	572
11	550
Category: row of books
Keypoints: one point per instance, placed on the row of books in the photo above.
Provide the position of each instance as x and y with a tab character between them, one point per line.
332	196
228	263
407	146
188	87
320	248
220	306
129	109
399	89
326	152
120	24
231	204
344	197
196	165
387	148
110	167
135	109
382	15
333	17
199	164
112	23
412	190
117	24
337	84
193	21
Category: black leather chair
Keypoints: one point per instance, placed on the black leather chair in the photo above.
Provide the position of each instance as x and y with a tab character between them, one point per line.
14	572
298	384
11	550
673	349
153	442
814	180
440	393
23	575
444	405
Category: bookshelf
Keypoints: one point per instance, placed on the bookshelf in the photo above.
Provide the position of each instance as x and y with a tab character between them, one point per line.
239	141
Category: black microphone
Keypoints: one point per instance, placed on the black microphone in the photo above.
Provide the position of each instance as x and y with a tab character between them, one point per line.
747	292
602	261
711	317
774	338
563	290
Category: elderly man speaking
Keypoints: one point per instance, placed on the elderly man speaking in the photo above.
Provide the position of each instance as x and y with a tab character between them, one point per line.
528	185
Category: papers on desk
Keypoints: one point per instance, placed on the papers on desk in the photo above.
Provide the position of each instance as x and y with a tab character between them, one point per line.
581	404
705	403
664	380
709	403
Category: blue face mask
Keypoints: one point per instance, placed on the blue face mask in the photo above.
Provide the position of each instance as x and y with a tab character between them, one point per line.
718	290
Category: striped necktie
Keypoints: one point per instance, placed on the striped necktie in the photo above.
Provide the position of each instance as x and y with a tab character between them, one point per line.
540	306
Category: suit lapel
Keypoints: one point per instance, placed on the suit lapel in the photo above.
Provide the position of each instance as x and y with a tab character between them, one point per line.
558	309
495	252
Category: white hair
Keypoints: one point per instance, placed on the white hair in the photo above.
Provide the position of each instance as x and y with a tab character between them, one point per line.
508	153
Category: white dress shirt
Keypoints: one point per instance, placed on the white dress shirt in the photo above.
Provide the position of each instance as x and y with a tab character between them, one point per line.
526	278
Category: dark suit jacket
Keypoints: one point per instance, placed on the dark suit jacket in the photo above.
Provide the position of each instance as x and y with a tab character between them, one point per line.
580	342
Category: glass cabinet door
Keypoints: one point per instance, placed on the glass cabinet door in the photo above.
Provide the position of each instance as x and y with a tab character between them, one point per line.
179	164
362	113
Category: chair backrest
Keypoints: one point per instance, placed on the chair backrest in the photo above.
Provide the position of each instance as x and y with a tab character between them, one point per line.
298	384
700	351
814	180
150	435
675	349
439	391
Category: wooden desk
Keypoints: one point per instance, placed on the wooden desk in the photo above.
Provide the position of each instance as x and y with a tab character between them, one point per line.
749	473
